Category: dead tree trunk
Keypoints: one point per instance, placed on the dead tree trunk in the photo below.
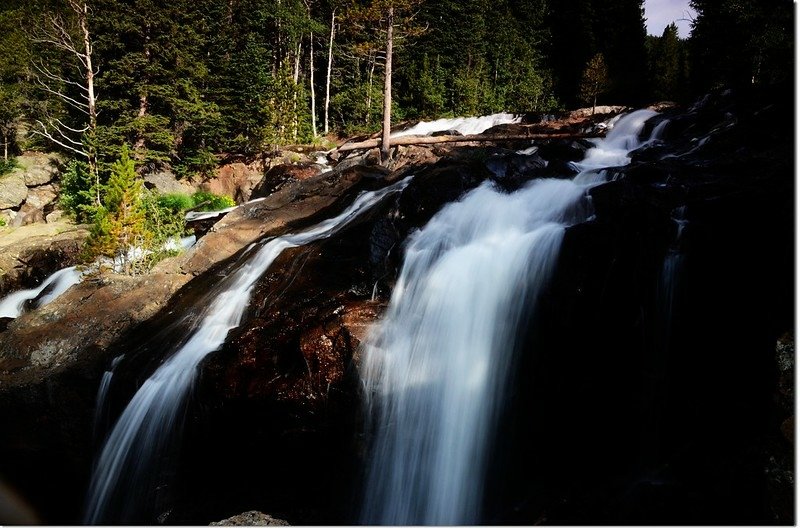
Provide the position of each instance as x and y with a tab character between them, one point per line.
330	67
56	34
475	138
311	83
387	88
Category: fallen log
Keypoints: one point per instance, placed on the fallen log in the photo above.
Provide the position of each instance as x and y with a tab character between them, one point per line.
481	138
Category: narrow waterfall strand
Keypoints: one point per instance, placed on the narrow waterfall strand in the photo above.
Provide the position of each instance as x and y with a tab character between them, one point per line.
141	433
13	305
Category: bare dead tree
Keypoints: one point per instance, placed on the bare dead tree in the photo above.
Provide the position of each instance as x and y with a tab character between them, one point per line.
75	42
311	84
330	65
387	86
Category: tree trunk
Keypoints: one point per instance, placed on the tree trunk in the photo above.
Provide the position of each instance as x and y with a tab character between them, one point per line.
475	138
330	66
5	146
311	82
83	21
296	79
139	145
387	88
368	104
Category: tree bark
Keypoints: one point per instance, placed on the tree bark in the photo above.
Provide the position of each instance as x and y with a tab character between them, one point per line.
139	146
477	138
57	34
83	21
296	79
311	82
368	103
330	67
387	88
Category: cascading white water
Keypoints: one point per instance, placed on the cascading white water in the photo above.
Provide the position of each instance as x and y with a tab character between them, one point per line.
102	391
14	304
473	125
613	150
142	431
436	367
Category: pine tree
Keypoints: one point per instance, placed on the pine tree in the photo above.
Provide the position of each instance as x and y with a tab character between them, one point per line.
742	43
119	227
667	67
594	80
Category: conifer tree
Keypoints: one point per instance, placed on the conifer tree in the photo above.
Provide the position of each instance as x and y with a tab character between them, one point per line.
119	228
595	80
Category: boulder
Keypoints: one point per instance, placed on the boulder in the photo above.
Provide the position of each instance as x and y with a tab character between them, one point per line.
38	168
511	171
36	205
54	216
451	132
251	518
290	205
7	216
235	180
166	182
414	155
31	253
598	110
13	190
279	175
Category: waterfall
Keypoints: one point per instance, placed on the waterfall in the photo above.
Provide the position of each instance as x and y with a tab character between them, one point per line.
658	130
466	126
14	304
142	433
436	368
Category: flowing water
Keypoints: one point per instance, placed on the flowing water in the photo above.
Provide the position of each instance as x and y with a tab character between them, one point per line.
473	125
436	368
126	465
13	305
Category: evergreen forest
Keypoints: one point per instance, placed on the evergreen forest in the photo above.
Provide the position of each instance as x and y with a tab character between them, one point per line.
184	83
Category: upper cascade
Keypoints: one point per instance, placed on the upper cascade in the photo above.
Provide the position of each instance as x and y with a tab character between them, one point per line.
465	126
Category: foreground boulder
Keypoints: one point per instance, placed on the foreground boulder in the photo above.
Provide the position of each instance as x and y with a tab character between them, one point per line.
251	518
31	253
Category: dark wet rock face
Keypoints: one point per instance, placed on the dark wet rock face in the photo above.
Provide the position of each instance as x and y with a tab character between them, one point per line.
278	176
648	390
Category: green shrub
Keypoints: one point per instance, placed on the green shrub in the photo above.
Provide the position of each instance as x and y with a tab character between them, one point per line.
205	201
165	215
77	195
175	201
6	166
120	225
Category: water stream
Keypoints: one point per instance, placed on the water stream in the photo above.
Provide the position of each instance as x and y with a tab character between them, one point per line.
13	305
472	125
436	368
127	464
